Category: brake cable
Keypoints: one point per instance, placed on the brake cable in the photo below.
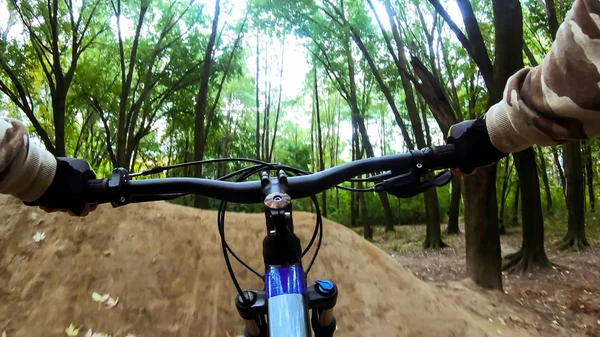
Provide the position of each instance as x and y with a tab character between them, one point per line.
243	174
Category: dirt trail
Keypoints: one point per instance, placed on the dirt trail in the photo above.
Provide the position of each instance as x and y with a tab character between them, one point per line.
164	263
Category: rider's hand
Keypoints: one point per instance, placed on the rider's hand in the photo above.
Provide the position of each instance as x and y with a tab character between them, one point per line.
67	191
473	146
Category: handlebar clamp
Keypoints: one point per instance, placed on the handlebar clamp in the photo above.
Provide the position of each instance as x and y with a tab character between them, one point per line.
117	185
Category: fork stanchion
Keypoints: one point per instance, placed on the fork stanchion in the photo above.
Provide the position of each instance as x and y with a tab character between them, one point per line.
322	297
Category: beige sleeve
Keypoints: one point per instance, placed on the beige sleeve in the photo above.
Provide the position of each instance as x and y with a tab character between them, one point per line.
558	100
26	170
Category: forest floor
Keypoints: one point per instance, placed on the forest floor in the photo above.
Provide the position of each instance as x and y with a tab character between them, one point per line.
566	295
161	268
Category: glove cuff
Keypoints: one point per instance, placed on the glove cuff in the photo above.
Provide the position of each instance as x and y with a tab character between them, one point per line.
67	190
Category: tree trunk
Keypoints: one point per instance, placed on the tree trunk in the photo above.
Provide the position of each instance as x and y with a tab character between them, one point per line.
368	231
257	135
589	173
575	237
201	107
505	180
544	173
320	142
515	217
481	231
337	150
433	238
561	173
552	18
58	111
278	106
353	195
385	203
454	211
531	256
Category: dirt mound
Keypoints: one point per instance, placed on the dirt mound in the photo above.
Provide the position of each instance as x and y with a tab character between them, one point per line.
164	263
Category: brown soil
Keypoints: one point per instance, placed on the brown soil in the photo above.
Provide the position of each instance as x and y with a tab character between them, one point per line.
164	263
566	298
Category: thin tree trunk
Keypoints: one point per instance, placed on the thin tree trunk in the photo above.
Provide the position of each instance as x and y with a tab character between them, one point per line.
313	166
575	237
505	190
589	173
532	255
515	218
337	150
544	173
552	18
278	105
433	237
201	107
454	211
58	111
558	166
353	198
257	135
320	141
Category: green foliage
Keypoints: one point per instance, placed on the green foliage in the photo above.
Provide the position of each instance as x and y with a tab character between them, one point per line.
159	98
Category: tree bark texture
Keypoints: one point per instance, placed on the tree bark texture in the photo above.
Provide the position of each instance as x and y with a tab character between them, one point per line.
481	231
589	175
201	107
532	255
320	142
544	173
575	237
454	211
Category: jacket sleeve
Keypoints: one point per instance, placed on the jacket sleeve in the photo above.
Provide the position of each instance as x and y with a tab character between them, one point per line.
558	100
26	170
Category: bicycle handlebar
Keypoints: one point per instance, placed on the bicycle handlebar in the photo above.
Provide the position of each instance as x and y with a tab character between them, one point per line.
107	190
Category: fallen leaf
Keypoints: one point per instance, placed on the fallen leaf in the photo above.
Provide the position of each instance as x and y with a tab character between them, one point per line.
111	302
100	298
39	237
4	332
555	322
71	330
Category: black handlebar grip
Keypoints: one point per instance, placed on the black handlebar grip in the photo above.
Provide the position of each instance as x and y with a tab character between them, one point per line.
441	157
96	191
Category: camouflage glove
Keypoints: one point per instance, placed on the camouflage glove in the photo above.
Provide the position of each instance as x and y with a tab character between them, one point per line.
67	191
473	145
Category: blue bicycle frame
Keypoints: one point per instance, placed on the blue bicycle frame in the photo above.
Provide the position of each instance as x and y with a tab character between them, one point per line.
286	301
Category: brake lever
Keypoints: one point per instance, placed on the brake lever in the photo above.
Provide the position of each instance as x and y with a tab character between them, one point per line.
409	184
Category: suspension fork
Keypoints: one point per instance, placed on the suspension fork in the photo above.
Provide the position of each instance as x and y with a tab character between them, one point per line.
286	299
320	297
